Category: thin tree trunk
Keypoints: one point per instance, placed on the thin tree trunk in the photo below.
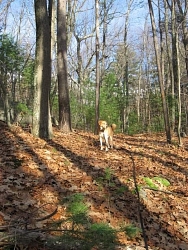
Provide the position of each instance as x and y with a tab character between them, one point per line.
104	39
126	106
179	93
138	95
97	95
169	56
176	68
160	77
183	16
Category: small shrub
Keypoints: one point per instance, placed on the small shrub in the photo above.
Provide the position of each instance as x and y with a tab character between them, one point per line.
131	230
82	233
77	209
101	236
122	190
22	108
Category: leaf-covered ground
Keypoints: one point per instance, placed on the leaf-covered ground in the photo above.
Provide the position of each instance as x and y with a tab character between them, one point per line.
36	175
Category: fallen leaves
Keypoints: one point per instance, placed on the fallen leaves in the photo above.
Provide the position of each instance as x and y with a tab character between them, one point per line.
36	175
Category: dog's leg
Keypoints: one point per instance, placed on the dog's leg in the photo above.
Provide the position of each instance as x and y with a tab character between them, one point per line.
111	142
107	141
101	142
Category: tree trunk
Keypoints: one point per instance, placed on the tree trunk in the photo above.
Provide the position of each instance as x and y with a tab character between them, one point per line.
169	57
179	93
3	86
103	52
176	67
126	109
126	106
183	18
97	95
63	98
42	126
160	77
53	55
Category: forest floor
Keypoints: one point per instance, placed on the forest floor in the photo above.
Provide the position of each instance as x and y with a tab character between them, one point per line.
36	175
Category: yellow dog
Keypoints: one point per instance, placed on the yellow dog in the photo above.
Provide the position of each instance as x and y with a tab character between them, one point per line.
107	133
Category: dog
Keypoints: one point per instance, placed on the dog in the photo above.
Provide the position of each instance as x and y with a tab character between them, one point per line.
107	133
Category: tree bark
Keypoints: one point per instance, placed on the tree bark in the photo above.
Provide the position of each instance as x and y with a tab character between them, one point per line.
176	67
183	18
160	77
169	57
97	93
42	126
126	106
63	90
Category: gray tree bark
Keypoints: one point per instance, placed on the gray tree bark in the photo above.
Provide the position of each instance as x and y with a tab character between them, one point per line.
42	126
160	77
63	89
97	93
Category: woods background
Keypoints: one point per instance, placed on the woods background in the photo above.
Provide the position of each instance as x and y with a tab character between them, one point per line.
128	60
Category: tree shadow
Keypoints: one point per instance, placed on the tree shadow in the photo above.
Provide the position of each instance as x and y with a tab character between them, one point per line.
139	143
123	205
126	204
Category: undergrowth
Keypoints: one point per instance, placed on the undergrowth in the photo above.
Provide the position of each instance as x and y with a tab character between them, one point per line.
80	232
77	231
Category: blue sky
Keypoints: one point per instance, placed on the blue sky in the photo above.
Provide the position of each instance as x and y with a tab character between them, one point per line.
24	8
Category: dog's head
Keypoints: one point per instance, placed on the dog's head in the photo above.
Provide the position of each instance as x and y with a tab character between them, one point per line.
102	125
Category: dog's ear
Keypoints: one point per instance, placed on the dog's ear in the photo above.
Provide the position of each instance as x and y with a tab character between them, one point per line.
99	122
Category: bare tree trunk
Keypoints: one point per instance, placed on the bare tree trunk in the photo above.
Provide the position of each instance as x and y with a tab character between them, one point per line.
169	55
183	18
176	67
126	110
71	5
3	87
179	93
79	67
53	55
97	95
126	107
42	126
160	77
64	103
104	39
138	95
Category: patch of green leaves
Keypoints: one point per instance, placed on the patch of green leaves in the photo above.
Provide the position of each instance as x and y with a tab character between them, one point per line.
163	181
22	107
150	183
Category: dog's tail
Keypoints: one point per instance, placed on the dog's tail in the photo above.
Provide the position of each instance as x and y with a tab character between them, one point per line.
113	126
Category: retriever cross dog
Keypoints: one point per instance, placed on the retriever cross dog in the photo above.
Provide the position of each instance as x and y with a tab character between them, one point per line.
106	132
